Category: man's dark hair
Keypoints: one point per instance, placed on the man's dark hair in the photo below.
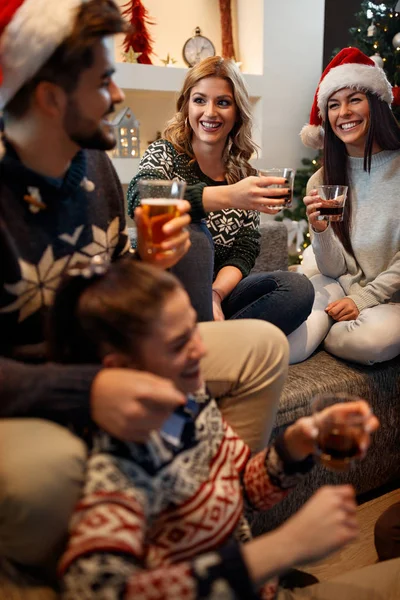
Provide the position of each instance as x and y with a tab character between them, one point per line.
96	19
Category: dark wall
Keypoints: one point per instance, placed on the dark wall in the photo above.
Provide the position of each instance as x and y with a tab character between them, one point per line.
339	17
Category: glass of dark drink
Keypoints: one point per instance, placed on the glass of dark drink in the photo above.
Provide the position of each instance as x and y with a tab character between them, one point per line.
288	175
159	200
333	199
341	429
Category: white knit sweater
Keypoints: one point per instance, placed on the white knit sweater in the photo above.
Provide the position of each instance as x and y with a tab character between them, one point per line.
372	276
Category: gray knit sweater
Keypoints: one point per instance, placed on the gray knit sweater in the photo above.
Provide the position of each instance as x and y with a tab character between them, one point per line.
372	276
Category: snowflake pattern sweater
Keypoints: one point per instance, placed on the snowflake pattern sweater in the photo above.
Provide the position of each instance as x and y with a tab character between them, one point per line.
160	523
235	232
83	215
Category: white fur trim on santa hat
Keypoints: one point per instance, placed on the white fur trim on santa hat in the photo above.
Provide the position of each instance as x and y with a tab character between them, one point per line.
312	136
356	76
36	30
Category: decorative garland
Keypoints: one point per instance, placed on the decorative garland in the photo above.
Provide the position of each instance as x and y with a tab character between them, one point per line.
138	41
228	49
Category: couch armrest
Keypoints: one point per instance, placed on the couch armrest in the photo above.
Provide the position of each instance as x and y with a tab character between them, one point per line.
274	250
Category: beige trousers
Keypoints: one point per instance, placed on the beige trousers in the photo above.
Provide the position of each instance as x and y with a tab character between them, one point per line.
377	582
42	464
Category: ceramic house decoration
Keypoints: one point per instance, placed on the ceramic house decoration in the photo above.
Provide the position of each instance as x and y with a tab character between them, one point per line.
127	134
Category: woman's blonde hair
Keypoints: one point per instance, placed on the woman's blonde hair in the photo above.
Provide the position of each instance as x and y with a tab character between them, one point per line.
240	147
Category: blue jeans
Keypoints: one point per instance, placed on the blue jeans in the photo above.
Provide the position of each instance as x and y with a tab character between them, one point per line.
282	298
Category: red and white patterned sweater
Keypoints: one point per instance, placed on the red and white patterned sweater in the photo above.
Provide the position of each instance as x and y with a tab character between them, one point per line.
157	523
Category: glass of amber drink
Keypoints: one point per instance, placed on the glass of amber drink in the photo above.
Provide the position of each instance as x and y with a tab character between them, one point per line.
159	200
341	429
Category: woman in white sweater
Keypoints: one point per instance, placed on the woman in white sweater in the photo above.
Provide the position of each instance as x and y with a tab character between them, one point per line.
357	305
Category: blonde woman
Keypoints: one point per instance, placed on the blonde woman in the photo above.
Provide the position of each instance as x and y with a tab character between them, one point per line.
208	144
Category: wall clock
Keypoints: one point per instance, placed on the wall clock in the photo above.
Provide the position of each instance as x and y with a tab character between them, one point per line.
196	48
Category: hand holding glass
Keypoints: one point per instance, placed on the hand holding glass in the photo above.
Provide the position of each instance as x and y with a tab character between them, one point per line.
159	200
344	424
288	175
333	198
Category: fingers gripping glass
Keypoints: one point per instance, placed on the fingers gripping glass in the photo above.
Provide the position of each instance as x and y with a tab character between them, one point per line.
288	175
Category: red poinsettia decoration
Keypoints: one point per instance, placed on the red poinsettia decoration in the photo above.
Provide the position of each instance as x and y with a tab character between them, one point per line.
138	38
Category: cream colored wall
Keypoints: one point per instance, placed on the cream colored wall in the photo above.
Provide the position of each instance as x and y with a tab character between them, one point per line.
175	22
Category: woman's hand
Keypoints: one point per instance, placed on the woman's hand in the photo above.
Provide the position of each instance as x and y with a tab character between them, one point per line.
300	438
176	244
253	193
313	203
343	310
218	313
327	522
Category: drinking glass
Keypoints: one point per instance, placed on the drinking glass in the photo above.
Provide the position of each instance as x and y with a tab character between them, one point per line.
159	200
339	432
333	198
286	173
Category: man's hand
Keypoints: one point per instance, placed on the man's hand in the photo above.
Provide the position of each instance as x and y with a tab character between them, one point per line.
176	244
343	310
129	404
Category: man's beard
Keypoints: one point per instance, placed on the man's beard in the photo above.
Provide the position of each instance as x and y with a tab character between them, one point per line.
80	130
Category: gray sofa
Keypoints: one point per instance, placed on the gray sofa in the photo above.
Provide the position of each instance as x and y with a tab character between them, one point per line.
322	372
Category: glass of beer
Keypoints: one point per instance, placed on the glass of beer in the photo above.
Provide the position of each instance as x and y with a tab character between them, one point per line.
339	432
159	200
287	174
333	198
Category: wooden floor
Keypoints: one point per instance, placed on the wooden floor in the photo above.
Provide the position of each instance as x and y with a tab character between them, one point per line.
361	552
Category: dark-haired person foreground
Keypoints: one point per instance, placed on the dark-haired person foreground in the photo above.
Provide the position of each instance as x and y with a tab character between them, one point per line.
357	305
61	203
164	519
208	144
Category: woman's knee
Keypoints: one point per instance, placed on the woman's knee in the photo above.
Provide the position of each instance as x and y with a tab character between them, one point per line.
357	342
40	482
387	533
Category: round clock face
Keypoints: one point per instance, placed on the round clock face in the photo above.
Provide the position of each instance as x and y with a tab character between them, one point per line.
197	48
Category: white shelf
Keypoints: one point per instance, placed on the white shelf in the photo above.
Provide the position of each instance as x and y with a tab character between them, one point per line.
167	79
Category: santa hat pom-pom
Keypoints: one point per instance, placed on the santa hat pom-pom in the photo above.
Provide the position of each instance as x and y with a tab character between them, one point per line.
312	136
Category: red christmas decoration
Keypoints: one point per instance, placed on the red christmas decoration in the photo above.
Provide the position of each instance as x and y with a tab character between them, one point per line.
138	38
396	96
228	50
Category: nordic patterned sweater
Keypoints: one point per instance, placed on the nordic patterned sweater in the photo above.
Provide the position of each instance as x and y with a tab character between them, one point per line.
235	232
160	523
83	216
372	275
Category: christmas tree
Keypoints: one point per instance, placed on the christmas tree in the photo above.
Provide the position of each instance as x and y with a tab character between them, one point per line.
377	34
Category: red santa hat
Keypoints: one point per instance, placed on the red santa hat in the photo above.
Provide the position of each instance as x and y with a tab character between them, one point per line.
348	69
30	31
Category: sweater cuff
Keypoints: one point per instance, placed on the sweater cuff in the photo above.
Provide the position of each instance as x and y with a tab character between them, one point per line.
59	393
239	263
363	300
291	466
194	194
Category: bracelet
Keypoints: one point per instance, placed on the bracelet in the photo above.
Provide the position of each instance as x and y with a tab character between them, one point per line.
218	294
